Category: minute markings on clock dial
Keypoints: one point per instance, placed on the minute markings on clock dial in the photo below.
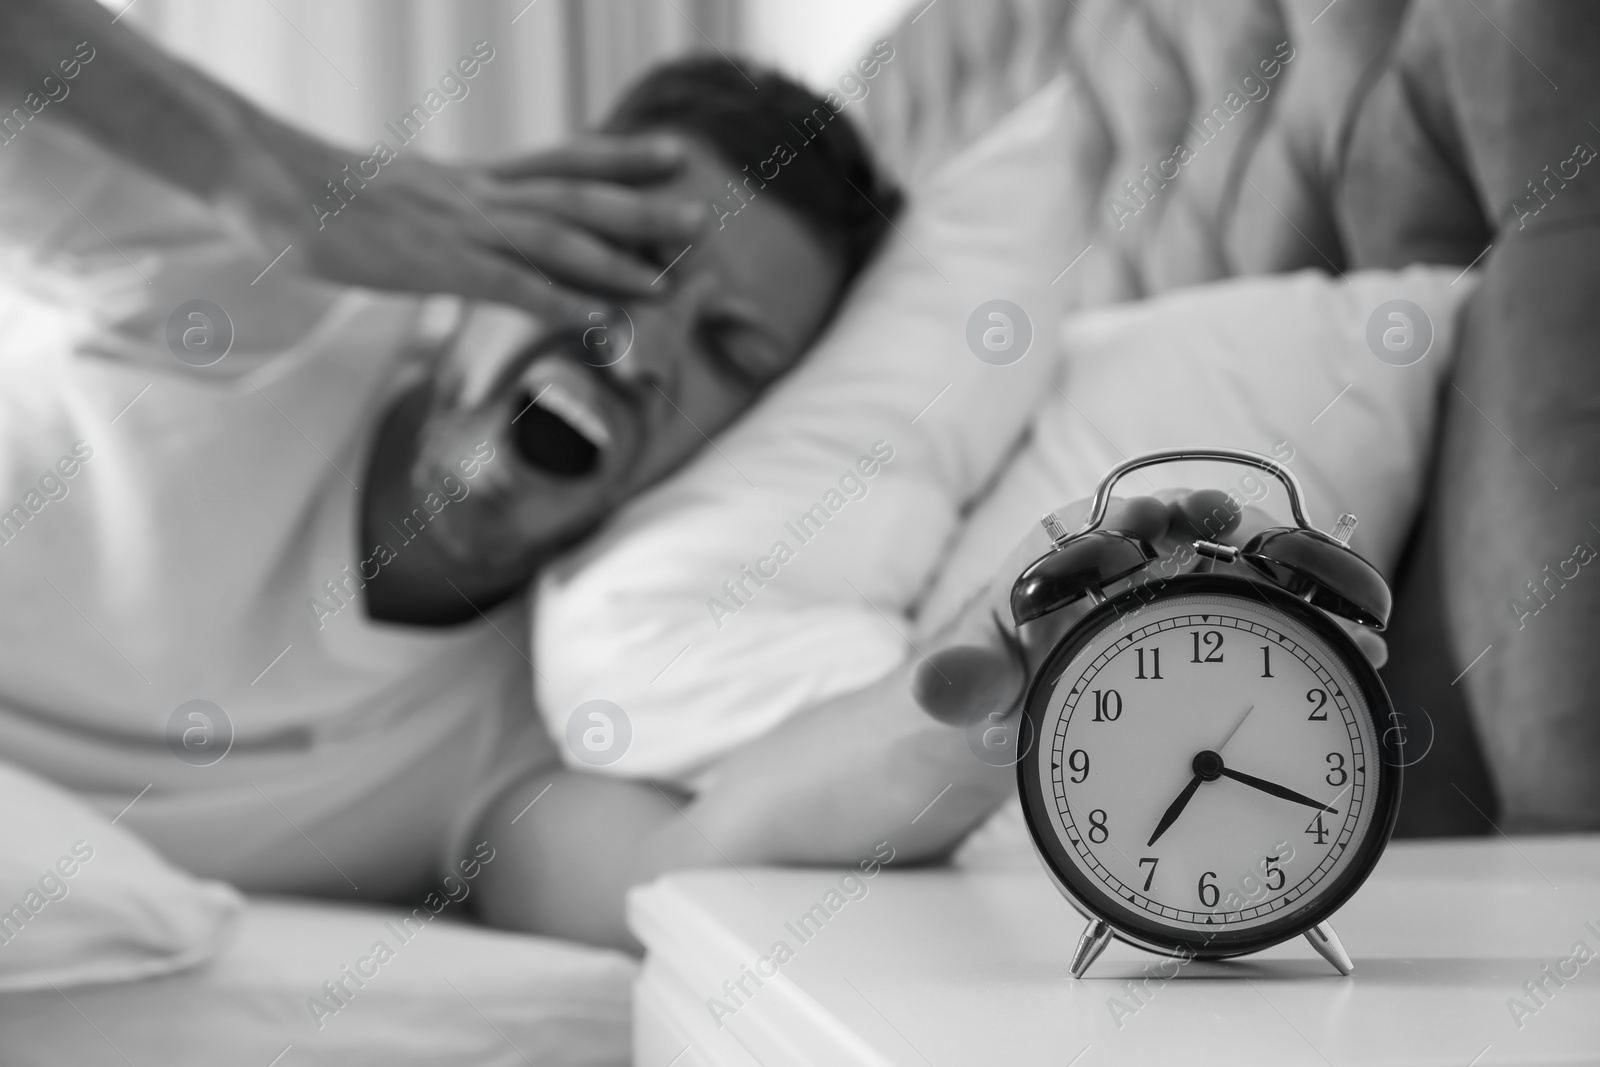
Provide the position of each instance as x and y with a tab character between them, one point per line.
1157	705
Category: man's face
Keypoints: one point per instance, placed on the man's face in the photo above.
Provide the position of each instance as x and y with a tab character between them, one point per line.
631	395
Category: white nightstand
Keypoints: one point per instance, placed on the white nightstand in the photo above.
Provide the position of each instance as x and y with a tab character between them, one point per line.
964	967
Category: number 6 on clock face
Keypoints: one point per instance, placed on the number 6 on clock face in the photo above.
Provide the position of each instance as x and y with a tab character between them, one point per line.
1207	777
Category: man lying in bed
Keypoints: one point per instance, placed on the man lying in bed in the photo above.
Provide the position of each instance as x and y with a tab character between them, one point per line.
188	515
827	785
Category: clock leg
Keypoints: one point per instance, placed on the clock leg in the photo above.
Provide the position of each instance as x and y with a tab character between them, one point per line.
1096	936
1326	942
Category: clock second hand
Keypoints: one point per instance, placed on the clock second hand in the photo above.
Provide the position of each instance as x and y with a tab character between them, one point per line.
1235	729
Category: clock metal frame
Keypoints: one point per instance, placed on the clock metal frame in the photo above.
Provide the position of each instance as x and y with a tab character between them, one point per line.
1149	934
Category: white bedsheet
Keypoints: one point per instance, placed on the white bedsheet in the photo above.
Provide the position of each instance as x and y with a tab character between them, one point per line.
454	994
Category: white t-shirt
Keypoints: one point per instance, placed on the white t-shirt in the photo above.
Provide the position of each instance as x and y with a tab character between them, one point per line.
166	530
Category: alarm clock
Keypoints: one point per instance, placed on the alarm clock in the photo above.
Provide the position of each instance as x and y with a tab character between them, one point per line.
1209	773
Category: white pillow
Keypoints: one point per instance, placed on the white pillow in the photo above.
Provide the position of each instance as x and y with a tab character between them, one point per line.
1280	365
83	901
632	618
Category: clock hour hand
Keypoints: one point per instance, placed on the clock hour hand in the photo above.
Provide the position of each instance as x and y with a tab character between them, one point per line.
1176	808
1277	790
1207	767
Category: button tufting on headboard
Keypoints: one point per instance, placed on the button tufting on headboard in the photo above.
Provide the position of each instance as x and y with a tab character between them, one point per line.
1210	135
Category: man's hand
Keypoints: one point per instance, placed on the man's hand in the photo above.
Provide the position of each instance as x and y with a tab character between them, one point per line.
535	233
527	234
869	766
827	785
983	663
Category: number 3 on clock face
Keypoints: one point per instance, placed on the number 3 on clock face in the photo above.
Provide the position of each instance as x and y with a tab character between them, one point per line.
1207	774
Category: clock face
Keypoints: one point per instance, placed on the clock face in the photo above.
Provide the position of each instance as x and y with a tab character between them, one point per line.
1207	770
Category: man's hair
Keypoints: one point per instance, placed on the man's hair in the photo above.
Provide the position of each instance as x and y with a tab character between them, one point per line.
745	112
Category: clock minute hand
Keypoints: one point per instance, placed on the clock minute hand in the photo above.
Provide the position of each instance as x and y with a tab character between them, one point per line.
1277	790
1176	808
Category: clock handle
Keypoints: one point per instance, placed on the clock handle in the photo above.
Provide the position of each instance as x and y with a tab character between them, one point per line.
1102	493
1327	944
1320	567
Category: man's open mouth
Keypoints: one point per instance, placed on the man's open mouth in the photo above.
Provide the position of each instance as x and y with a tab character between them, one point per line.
560	427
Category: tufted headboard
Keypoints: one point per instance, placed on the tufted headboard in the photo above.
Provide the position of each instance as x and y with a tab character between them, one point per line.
1370	133
1261	94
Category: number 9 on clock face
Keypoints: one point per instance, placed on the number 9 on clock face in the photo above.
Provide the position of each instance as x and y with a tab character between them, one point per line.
1207	776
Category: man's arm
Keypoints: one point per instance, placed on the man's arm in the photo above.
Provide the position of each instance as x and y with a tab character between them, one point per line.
528	234
825	787
127	96
882	763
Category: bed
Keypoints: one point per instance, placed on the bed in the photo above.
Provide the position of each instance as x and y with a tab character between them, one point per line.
456	994
1389	135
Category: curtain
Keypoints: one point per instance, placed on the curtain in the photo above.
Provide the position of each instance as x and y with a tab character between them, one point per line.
610	42
347	68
